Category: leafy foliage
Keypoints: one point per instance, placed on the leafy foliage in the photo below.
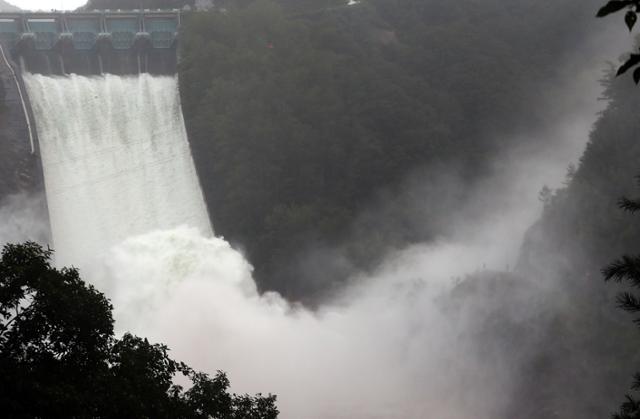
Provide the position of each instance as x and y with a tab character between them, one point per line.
627	270
630	19
59	357
630	409
615	6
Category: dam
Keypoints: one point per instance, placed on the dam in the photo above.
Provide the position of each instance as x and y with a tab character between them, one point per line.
90	43
97	108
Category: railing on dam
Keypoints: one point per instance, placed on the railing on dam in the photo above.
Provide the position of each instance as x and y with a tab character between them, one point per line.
86	30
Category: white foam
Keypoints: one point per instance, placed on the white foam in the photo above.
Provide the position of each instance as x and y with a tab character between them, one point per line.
116	161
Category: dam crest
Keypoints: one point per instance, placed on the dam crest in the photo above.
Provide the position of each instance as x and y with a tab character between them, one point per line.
92	43
95	115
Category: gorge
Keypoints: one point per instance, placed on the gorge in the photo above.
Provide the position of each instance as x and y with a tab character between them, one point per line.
376	170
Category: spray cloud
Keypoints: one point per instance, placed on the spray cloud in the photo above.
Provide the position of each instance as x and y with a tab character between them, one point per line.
402	342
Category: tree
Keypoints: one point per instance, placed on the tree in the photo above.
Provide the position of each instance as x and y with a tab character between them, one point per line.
59	356
627	269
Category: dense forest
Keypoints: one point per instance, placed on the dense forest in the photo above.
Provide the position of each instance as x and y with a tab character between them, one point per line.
586	211
582	230
554	320
306	119
302	119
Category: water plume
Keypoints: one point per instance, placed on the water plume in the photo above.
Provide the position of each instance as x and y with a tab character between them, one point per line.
116	160
402	342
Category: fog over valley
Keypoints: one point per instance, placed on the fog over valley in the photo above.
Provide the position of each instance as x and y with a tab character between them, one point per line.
310	209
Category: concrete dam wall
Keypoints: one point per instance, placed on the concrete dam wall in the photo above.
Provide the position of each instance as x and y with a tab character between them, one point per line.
62	45
92	43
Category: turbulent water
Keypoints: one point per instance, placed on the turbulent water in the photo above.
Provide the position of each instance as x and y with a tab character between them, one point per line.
116	160
126	206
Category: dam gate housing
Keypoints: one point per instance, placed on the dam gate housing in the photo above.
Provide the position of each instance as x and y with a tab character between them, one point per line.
91	43
61	43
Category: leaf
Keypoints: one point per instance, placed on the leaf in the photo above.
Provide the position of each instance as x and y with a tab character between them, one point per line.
626	268
613	6
630	19
627	204
634	59
636	78
628	302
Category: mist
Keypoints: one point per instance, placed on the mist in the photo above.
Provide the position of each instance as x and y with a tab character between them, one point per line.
24	218
397	343
443	328
407	340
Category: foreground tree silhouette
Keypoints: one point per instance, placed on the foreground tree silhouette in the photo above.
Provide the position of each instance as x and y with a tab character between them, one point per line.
627	270
631	8
59	356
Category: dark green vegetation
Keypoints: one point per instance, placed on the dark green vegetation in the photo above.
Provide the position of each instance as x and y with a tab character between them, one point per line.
627	270
554	323
582	222
580	231
301	120
59	357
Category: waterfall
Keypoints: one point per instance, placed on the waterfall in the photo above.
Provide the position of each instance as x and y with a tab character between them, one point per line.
116	161
120	183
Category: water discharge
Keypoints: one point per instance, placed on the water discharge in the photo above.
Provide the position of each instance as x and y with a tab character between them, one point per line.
116	160
125	205
390	351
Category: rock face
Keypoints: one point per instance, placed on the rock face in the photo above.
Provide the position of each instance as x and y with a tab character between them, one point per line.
19	164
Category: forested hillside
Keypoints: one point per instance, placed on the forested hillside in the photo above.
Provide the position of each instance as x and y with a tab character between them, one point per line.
572	352
584	342
582	222
301	118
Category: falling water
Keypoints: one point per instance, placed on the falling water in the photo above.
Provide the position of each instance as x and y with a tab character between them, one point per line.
116	160
125	206
121	186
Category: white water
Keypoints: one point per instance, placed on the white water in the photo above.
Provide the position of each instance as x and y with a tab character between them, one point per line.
116	161
125	203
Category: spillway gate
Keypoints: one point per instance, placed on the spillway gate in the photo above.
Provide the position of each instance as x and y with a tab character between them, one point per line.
86	30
